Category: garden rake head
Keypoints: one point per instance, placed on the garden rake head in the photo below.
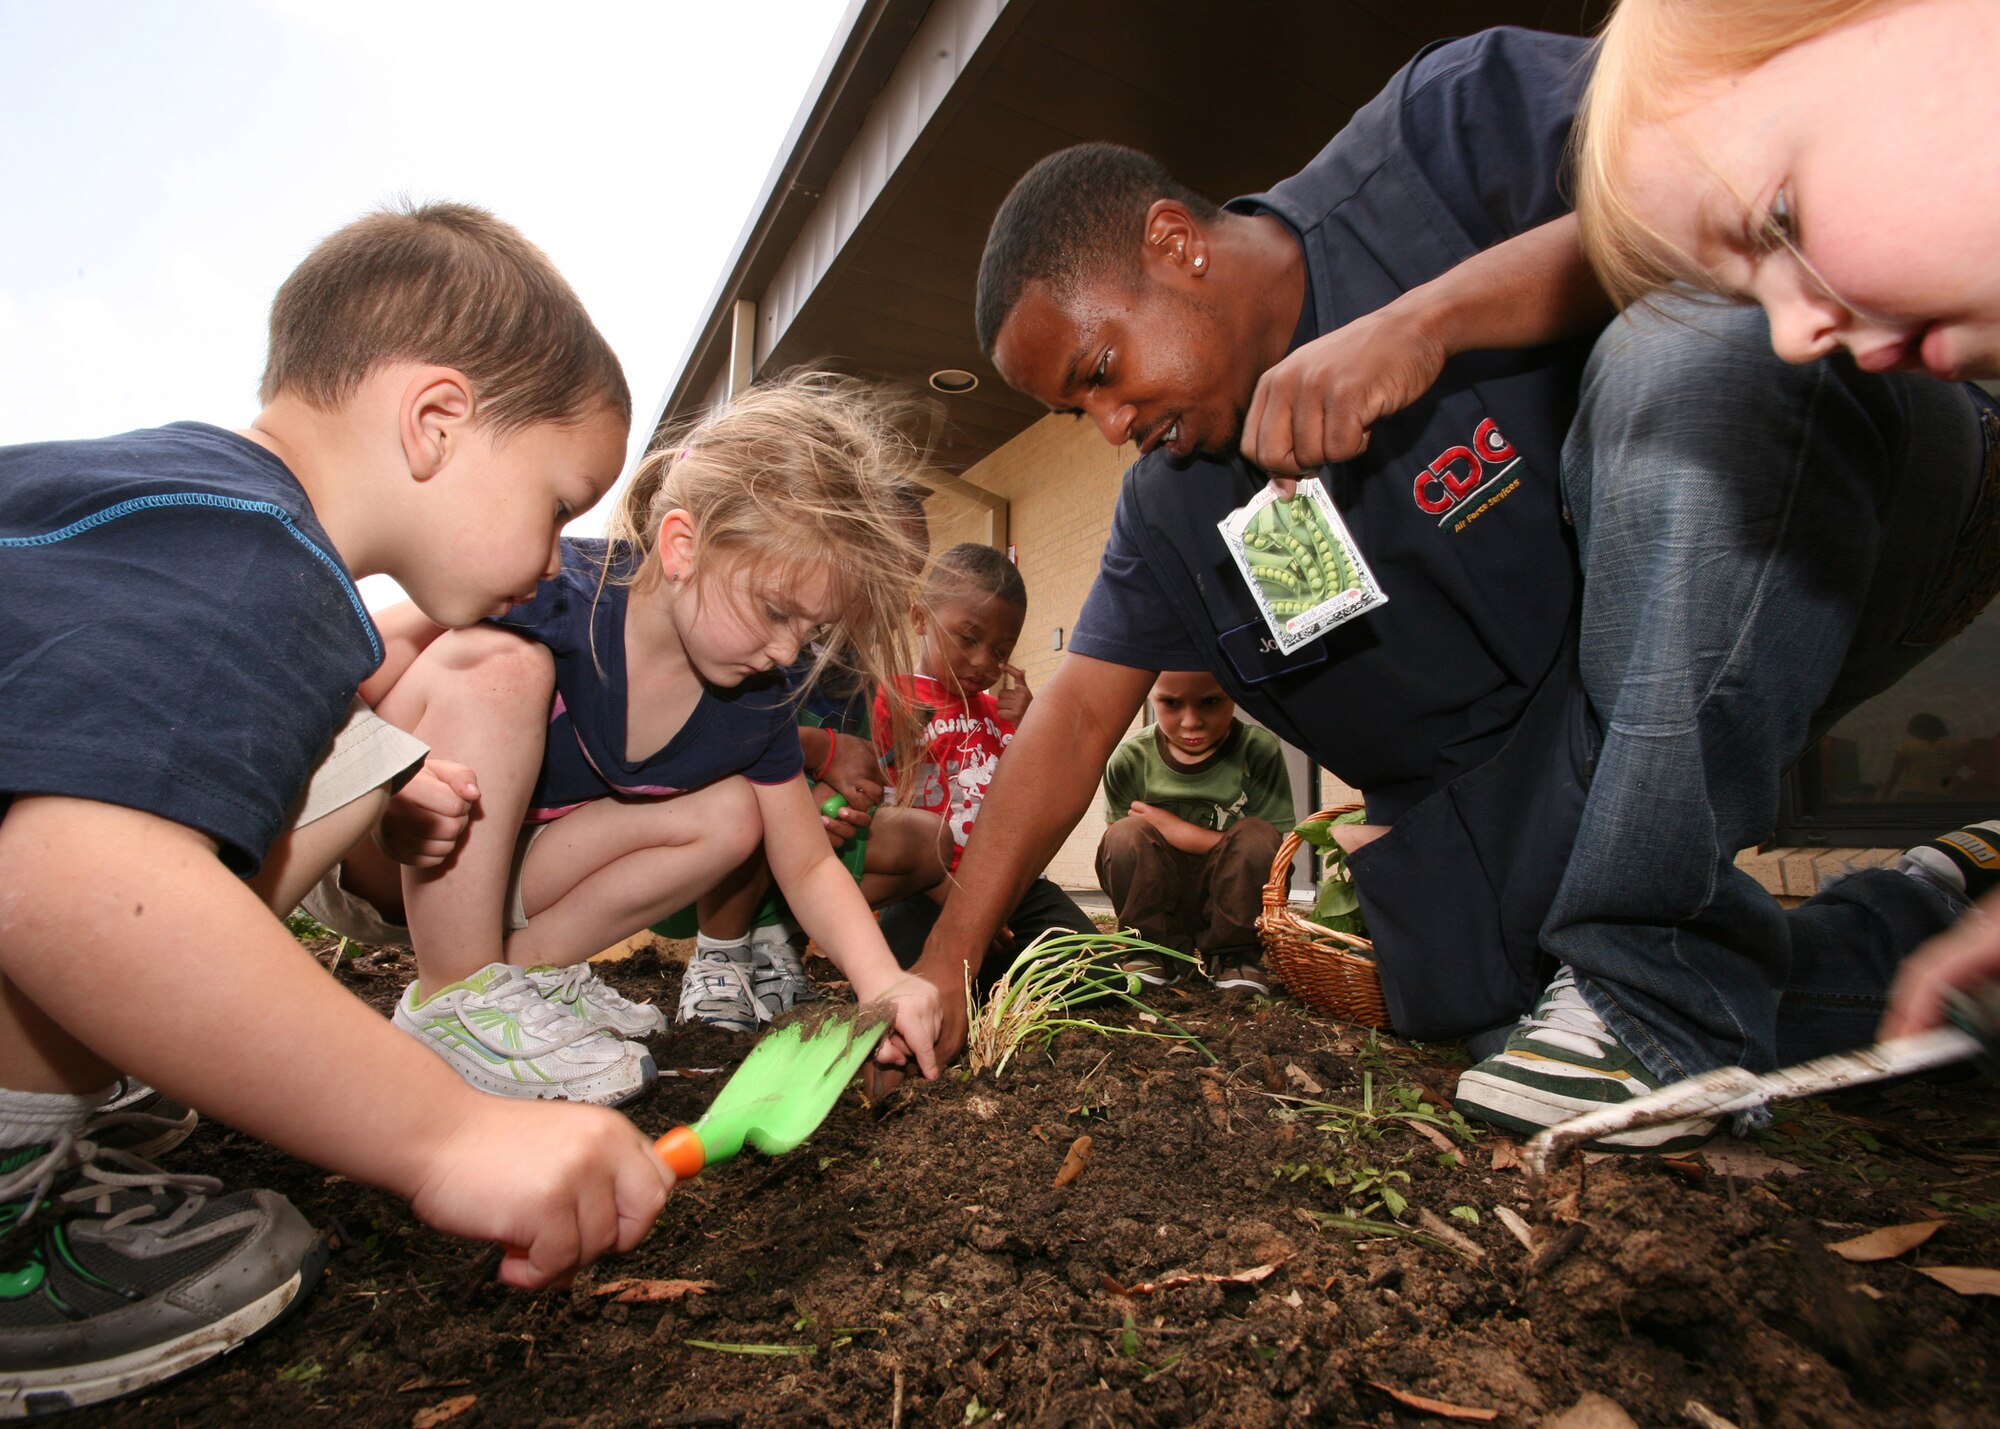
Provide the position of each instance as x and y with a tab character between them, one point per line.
783	1090
1727	1090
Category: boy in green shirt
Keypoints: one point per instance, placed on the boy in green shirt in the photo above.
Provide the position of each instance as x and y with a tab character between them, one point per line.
1195	805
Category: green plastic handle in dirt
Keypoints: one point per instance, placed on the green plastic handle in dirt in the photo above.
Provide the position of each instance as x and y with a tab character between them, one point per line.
853	853
783	1090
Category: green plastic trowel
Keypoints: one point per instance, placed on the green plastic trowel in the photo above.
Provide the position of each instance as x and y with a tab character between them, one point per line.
783	1090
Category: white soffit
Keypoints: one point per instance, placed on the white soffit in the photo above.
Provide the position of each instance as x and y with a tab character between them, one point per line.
936	55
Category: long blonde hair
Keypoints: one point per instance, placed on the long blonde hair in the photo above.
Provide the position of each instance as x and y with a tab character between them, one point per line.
1651	58
809	471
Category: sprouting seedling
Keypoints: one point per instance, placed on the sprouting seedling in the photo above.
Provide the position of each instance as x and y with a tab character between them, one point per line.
1033	998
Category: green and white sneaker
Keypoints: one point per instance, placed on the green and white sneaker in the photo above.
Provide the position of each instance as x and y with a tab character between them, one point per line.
500	1034
778	968
1562	1061
116	1275
580	992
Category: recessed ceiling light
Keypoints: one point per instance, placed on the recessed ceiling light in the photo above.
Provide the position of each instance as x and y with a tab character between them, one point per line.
954	379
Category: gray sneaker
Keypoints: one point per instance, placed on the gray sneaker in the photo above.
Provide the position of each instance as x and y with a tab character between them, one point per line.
717	988
116	1275
778	969
579	991
140	1121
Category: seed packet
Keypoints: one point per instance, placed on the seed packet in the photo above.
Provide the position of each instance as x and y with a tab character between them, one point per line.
1300	562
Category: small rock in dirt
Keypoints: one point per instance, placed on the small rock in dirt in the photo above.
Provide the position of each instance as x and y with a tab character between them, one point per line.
987	1238
1593	1411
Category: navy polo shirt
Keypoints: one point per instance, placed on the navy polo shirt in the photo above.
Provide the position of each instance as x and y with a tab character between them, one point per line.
1456	503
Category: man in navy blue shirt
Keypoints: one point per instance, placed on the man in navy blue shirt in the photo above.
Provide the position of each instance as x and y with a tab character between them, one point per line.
1623	572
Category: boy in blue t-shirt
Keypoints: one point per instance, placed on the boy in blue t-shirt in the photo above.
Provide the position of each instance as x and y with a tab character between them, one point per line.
180	755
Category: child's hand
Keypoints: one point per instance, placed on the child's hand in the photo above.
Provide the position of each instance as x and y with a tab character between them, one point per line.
557	1184
427	817
1014	696
1963	956
919	1018
855	772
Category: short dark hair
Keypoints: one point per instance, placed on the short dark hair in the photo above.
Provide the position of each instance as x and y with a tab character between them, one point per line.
1077	214
449	284
970	566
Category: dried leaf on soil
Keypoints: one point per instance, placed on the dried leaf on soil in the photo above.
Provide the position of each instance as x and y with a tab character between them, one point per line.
1965	1279
1304	1082
443	1413
644	1292
1073	1164
1241	1277
1506	1154
1747	1162
1439	1407
1510	1218
1886	1243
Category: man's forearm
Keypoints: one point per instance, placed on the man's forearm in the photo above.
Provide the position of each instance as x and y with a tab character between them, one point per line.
1535	288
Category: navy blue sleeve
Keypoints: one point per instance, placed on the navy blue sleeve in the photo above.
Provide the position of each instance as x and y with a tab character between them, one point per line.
186	661
1489	118
1126	619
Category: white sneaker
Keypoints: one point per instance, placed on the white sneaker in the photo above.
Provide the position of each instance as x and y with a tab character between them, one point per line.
579	991
497	1032
778	970
717	989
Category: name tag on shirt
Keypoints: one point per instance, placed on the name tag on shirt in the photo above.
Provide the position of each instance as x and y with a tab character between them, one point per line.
1256	656
1299	563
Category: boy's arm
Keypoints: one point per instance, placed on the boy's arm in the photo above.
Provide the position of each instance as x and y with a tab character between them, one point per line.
1270	785
127	931
1317	405
1121	782
1187	837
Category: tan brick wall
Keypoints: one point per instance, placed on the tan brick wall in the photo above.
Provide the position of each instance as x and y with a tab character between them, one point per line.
1060	481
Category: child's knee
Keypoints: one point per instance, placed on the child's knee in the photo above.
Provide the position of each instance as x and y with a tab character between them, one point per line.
1130	837
733	819
1254	837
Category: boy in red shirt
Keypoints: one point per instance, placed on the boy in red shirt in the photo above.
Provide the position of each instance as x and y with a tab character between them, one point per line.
970	618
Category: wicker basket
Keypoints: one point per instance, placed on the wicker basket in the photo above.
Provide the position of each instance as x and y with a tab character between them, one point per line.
1330	972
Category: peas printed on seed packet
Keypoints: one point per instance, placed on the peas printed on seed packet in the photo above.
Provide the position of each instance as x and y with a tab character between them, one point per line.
1302	566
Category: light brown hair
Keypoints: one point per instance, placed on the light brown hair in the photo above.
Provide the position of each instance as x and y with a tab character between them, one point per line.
806	472
1652	59
448	284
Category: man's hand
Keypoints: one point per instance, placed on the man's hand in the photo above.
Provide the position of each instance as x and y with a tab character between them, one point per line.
1013	696
426	819
948	986
1963	956
1187	837
1318	404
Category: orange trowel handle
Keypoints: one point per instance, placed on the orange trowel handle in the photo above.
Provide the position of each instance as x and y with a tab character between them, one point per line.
682	1151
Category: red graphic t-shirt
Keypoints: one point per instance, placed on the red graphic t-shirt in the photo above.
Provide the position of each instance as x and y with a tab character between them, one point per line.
962	740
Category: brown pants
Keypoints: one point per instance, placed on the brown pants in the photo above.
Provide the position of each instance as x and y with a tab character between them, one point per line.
1186	901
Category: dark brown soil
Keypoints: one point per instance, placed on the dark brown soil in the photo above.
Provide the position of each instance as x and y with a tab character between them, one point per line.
915	1264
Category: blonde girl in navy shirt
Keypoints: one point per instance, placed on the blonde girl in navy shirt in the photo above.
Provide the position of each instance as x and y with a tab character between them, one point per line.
669	750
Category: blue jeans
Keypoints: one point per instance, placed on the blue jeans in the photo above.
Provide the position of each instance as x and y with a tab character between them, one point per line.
1763	546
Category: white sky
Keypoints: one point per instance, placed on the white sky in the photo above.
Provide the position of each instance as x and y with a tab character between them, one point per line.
165	163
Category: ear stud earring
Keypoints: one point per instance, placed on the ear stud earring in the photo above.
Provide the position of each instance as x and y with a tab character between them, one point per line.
1199	262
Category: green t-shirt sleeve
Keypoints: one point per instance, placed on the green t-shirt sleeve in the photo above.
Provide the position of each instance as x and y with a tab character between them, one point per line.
1124	780
1266	781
